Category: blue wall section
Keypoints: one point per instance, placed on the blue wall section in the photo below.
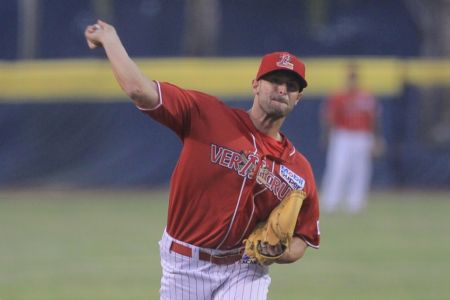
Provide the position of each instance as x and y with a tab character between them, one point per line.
346	28
83	144
113	144
246	28
8	29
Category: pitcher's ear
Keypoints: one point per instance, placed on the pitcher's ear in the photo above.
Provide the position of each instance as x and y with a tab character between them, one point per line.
255	85
299	98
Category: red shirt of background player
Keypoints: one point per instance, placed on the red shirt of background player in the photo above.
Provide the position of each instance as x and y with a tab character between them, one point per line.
353	108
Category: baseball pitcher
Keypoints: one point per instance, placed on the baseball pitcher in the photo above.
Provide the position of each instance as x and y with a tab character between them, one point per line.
242	197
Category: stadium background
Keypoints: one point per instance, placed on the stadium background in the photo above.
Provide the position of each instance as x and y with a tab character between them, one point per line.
65	121
66	128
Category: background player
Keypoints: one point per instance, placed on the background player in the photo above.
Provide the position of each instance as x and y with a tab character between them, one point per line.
349	119
234	168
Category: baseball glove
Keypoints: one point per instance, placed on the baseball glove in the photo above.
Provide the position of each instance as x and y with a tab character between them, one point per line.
277	229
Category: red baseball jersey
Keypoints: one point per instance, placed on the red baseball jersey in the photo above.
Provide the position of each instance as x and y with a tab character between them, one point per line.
352	110
229	176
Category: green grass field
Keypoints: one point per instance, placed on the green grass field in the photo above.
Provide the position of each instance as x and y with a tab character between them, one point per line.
64	245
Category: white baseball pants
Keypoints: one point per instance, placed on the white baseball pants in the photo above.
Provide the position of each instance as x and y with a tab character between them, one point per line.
348	170
189	278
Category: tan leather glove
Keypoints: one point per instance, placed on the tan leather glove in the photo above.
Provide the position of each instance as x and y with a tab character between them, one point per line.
278	229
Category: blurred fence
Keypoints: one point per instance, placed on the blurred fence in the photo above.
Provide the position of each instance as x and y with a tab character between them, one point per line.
53	134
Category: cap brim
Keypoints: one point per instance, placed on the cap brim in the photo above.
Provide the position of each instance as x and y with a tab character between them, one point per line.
300	79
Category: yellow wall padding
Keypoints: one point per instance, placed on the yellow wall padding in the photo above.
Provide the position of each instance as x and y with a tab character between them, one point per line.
57	80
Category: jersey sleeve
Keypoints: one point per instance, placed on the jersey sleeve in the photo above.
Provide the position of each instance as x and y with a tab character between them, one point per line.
177	107
307	226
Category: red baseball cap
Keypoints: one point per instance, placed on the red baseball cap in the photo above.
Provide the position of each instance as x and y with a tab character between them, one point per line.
282	61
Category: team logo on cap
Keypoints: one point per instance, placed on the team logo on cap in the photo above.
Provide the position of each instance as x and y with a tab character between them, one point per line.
285	62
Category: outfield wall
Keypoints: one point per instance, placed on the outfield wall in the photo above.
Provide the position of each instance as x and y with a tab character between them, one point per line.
66	123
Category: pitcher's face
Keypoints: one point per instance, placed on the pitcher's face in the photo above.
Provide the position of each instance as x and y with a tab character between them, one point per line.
277	93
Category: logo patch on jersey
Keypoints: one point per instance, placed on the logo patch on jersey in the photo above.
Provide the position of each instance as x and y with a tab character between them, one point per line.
295	181
285	62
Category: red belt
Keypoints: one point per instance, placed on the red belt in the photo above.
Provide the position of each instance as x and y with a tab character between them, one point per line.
215	259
